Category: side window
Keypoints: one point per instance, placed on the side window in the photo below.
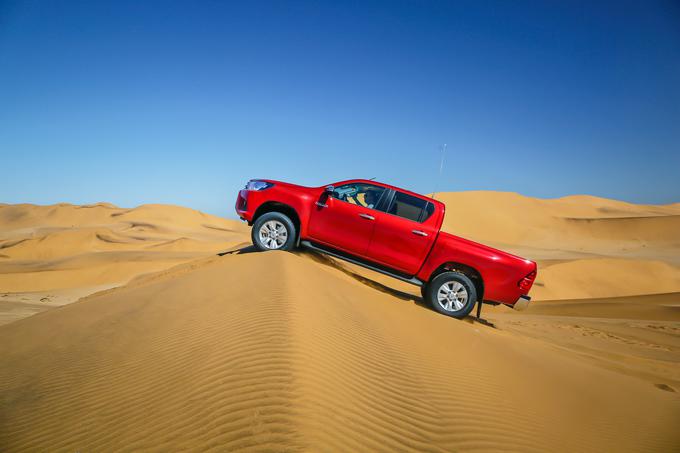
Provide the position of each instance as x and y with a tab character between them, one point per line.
364	195
429	210
410	207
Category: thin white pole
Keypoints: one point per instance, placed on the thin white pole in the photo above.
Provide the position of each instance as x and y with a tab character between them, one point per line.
441	168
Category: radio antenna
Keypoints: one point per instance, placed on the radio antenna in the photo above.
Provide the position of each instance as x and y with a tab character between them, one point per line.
441	167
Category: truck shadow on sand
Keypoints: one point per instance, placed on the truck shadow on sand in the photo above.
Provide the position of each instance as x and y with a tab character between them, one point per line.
240	249
337	265
328	261
331	262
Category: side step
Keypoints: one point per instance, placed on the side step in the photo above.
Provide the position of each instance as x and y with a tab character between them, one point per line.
342	256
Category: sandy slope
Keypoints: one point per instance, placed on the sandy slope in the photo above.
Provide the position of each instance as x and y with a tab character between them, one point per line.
308	358
201	352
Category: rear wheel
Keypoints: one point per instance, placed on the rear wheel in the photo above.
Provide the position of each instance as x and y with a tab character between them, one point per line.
452	294
273	231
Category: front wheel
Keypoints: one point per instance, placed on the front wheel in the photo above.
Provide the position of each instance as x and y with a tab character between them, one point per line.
452	294
273	231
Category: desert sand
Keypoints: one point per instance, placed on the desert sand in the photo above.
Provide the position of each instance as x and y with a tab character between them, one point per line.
157	328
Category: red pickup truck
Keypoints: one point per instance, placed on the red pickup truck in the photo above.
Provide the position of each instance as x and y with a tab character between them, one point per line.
389	230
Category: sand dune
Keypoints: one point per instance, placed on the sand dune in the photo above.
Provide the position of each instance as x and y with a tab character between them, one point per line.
307	358
585	246
660	307
605	277
64	251
180	348
573	226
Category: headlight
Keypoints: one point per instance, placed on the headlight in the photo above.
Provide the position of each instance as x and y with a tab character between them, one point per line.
255	184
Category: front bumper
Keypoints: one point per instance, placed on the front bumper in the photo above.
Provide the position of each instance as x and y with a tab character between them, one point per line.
522	303
242	205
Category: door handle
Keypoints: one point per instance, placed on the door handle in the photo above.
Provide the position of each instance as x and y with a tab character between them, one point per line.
367	216
321	205
419	233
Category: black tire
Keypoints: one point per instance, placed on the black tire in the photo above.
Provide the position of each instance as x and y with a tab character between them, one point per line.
452	278
285	223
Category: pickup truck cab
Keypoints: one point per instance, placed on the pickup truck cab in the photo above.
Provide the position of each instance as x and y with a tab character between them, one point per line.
389	230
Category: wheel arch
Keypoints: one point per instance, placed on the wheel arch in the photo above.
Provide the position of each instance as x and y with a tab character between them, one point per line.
283	208
469	271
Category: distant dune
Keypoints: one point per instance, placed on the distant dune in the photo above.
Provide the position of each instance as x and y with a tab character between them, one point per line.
571	224
585	246
51	255
190	342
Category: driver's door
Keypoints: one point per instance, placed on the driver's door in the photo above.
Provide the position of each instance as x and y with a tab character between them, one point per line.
344	219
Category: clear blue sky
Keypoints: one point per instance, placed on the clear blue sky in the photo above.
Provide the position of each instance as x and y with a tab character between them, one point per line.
182	102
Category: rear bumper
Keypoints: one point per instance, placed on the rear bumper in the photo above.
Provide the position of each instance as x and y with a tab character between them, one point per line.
522	303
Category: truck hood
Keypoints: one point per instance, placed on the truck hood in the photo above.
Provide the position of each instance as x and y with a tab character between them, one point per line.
287	184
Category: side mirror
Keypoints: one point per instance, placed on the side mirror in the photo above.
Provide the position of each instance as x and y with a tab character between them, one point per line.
329	189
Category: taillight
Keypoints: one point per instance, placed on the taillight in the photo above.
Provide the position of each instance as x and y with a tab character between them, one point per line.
526	282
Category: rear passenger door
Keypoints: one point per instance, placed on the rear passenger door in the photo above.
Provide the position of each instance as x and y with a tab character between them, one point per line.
404	234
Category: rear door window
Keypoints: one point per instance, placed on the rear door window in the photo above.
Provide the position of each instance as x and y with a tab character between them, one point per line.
410	207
